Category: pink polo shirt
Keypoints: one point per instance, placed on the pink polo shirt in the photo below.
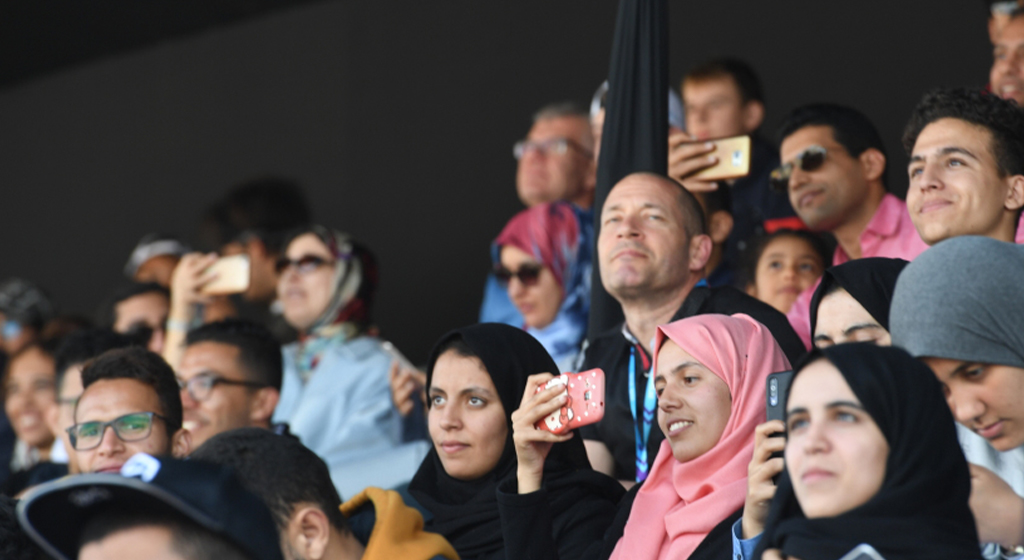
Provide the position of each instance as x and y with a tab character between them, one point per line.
890	233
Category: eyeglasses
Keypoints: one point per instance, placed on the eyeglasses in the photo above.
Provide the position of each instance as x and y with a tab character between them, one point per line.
130	427
808	160
553	146
304	264
528	274
199	387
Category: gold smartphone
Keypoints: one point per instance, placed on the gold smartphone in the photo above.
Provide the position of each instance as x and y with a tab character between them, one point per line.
733	160
232	276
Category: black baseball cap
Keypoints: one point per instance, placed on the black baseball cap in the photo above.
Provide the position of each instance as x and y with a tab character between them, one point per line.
54	514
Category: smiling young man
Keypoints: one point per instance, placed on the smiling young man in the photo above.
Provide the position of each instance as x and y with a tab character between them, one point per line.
652	250
958	308
966	168
833	166
130	405
230	377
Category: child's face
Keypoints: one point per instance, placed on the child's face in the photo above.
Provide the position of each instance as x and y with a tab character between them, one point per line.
788	266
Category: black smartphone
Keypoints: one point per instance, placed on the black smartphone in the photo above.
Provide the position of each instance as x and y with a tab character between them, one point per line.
775	394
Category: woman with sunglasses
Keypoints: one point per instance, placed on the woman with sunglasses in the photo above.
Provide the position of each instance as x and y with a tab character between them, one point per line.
473	482
335	394
543	258
871	460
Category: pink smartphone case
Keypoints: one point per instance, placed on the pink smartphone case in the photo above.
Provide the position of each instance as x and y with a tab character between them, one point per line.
585	405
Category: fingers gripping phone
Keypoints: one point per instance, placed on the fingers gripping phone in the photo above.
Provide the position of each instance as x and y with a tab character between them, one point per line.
232	276
733	160
777	389
584	406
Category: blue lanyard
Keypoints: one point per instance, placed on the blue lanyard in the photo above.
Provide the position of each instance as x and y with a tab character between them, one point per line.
650	404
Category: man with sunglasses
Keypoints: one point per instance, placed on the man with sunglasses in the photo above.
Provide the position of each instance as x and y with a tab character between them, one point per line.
833	167
230	377
131	404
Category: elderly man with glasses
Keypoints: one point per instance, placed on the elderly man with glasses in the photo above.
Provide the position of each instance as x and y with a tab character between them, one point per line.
230	377
132	392
833	167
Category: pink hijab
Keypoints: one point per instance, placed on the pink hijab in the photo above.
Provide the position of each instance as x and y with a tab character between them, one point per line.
680	503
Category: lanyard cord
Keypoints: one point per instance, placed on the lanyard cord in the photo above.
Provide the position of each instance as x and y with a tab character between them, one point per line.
650	403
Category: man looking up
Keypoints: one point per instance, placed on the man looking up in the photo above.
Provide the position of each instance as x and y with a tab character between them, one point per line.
312	521
133	393
834	170
230	377
966	168
652	250
724	98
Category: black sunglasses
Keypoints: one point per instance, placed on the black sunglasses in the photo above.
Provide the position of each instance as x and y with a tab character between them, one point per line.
808	160
304	264
528	274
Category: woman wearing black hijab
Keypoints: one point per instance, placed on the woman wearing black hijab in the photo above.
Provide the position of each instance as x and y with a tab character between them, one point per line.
476	379
918	509
851	304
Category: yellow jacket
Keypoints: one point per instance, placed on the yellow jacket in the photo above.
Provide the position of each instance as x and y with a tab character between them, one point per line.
398	530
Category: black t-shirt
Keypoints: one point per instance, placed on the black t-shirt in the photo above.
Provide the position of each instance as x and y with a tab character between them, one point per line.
610	351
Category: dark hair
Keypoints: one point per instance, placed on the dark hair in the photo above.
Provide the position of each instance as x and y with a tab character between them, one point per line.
259	353
1003	119
850	128
718	200
266	208
62	326
259	457
561	109
748	262
145	367
15	544
108	315
747	82
82	346
188	538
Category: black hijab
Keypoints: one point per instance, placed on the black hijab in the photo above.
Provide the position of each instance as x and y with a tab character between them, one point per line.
921	510
466	512
871	281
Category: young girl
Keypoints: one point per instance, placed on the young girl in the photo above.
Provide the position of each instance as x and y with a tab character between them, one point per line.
782	265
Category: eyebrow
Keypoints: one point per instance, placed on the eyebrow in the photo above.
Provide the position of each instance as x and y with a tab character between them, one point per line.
861	326
946	151
472	389
831	405
677	369
962	368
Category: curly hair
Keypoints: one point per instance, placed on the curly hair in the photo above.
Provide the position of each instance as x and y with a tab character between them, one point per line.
1002	118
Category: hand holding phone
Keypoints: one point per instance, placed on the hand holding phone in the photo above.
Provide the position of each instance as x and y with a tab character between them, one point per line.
732	160
584	405
230	276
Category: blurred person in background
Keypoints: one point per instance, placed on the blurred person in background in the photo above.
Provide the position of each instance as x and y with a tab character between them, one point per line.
335	394
780	266
140	311
543	257
29	399
153	259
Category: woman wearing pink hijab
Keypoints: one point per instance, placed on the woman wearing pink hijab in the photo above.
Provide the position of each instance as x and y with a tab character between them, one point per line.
710	373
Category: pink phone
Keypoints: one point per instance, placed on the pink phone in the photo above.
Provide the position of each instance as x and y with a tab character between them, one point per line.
585	405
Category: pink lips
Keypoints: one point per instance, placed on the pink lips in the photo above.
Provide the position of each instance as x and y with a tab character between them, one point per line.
932	205
991	431
815	475
452	447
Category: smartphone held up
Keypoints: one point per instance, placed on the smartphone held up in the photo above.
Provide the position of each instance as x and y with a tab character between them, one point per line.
584	406
230	276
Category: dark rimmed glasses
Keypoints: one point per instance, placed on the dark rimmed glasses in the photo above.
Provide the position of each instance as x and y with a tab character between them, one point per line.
808	160
528	274
552	146
130	427
200	386
304	264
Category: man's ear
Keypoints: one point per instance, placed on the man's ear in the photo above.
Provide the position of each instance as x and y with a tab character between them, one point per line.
262	405
872	162
181	443
309	531
720	226
700	252
753	115
1015	194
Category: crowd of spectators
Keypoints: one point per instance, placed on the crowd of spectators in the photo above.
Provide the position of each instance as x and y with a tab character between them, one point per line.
271	420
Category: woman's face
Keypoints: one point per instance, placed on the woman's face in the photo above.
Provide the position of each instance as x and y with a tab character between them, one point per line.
788	266
835	453
842	319
30	397
305	294
466	420
694	404
538	301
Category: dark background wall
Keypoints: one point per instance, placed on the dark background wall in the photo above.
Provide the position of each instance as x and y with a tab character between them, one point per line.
399	118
